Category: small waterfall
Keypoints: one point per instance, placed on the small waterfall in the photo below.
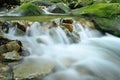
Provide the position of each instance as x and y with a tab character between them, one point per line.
58	35
95	57
85	32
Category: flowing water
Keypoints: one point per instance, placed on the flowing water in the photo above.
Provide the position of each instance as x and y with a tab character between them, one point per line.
94	57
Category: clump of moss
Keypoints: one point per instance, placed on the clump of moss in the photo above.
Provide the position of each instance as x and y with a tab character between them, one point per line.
29	9
99	9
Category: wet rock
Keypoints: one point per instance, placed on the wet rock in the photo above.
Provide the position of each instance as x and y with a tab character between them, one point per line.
27	9
68	26
5	26
11	56
86	23
32	68
13	45
4	40
99	9
109	25
5	72
59	8
67	20
22	25
67	23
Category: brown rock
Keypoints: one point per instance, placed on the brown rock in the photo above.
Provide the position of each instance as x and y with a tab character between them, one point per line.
4	72
13	45
67	20
68	26
12	56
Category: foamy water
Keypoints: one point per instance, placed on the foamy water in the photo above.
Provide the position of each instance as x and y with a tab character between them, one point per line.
93	58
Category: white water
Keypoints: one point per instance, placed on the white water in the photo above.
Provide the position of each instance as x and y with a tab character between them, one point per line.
93	58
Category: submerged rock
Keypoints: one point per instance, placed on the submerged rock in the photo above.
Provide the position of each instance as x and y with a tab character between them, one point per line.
5	72
32	68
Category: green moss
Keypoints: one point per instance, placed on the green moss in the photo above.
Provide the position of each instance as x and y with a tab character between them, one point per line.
29	9
99	9
110	25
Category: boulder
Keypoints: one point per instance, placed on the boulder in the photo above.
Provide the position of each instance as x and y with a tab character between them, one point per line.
108	25
99	9
11	46
68	26
27	9
32	68
67	23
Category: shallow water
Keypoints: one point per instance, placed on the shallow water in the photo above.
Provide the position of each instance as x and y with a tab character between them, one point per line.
95	57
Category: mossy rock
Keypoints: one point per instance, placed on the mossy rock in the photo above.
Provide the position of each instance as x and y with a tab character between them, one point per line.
109	25
26	9
29	9
99	9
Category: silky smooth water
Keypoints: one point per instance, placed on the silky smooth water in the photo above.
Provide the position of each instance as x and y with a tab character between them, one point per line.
94	57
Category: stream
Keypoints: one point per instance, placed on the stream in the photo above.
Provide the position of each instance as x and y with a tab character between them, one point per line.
94	57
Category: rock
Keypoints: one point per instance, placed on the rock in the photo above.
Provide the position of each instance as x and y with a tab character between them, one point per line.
3	49
13	45
27	9
67	23
5	26
67	20
22	25
4	40
32	68
86	23
68	26
99	9
59	8
5	72
11	56
109	25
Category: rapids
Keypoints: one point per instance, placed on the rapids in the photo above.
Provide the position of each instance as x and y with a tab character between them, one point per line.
94	57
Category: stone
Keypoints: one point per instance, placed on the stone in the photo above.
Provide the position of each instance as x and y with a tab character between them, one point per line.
99	9
11	56
3	40
27	9
32	68
13	45
5	72
109	25
59	8
68	26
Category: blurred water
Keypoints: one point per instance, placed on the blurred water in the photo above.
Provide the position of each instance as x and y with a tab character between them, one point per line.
93	58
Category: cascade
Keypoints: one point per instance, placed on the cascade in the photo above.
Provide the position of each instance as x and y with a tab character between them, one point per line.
95	57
